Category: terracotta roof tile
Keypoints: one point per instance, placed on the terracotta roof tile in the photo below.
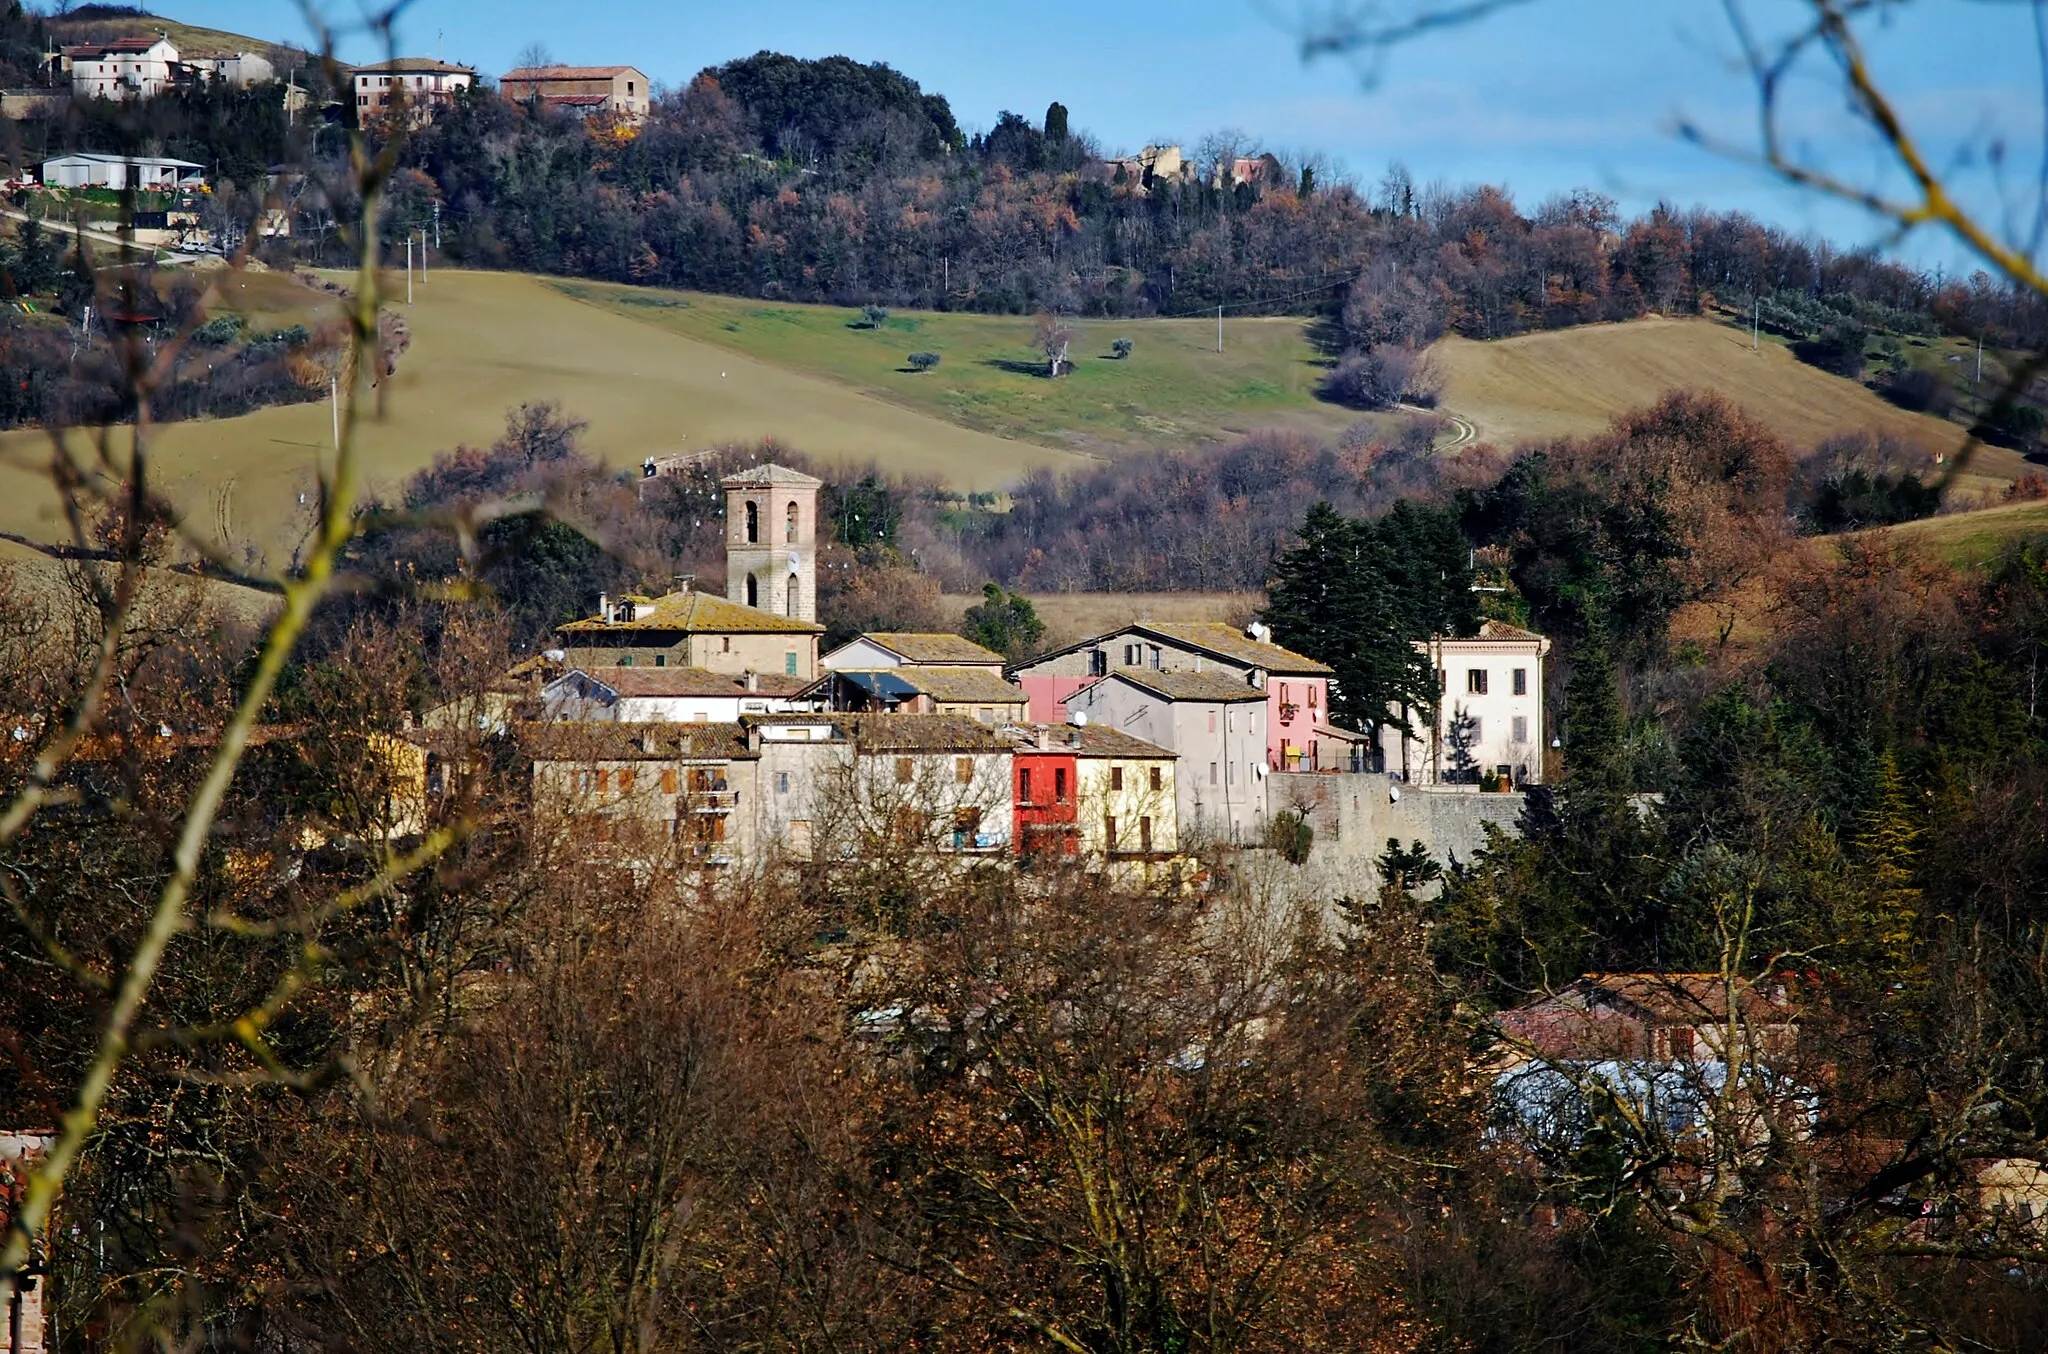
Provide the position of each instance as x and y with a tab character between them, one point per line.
962	684
695	613
631	742
566	72
1228	642
1190	686
770	473
1088	740
691	682
925	647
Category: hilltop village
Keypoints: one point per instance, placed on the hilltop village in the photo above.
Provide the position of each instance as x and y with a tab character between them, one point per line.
711	732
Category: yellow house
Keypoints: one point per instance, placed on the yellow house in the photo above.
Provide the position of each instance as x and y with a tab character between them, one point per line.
1125	798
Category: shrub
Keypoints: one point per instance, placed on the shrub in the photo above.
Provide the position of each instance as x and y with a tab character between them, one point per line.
1857	498
1121	348
1838	349
873	316
1918	389
2017	426
220	329
1290	834
1380	378
923	361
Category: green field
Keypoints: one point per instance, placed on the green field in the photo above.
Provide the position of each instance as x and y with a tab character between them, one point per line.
482	343
1174	391
1968	539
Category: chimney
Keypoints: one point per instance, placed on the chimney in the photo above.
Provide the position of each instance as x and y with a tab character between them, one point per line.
1044	737
604	607
753	680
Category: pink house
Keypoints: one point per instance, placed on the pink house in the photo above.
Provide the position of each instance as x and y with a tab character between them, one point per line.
1298	733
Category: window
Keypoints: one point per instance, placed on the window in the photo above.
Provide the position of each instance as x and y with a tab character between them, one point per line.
1130	655
1283	694
1109	832
604	782
789	523
1023	785
1116	778
1145	835
629	86
753	591
966	827
1212	721
1521	681
625	660
1314	691
789	600
789	664
661	660
1158	779
1478	728
782	782
1475	681
753	522
1059	785
1212	773
725	644
1443	681
1155	656
963	769
904	771
668	780
1230	771
626	781
1098	663
985	715
1521	729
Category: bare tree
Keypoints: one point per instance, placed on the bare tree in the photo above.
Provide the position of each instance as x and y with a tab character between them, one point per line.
1054	337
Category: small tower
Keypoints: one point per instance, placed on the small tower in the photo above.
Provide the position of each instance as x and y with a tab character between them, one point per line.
771	540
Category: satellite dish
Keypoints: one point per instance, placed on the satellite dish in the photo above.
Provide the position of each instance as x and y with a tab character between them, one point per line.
1393	794
795	564
1079	719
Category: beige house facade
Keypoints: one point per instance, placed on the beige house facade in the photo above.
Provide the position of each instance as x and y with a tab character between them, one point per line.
690	629
585	90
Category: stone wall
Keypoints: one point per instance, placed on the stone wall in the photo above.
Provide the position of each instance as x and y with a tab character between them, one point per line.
1354	815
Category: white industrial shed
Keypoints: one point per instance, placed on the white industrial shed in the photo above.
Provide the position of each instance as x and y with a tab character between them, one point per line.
85	170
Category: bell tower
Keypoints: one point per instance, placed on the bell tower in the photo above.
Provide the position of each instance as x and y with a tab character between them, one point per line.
771	540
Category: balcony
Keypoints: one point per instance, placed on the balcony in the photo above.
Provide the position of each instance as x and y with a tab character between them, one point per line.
713	801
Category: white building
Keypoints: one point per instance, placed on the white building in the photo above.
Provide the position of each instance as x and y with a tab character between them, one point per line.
236	70
1492	687
125	68
1214	721
424	84
153	172
668	696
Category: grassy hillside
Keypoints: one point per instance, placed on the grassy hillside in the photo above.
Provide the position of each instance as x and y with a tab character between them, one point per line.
1573	381
484	342
1174	391
189	39
1967	539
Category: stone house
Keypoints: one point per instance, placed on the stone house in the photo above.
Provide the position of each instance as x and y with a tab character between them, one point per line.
646	796
584	90
1213	722
122	68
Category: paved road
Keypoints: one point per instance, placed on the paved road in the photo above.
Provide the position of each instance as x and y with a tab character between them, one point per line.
161	255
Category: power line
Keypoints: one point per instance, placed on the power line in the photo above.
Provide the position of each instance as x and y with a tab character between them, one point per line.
1266	300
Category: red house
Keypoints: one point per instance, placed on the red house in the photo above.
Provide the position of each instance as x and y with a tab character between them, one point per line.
1046	788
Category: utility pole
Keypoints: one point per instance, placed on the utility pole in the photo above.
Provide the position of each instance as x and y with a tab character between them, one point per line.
423	256
408	269
437	225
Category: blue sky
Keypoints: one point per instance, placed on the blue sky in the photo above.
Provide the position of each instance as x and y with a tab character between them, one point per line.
1542	97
